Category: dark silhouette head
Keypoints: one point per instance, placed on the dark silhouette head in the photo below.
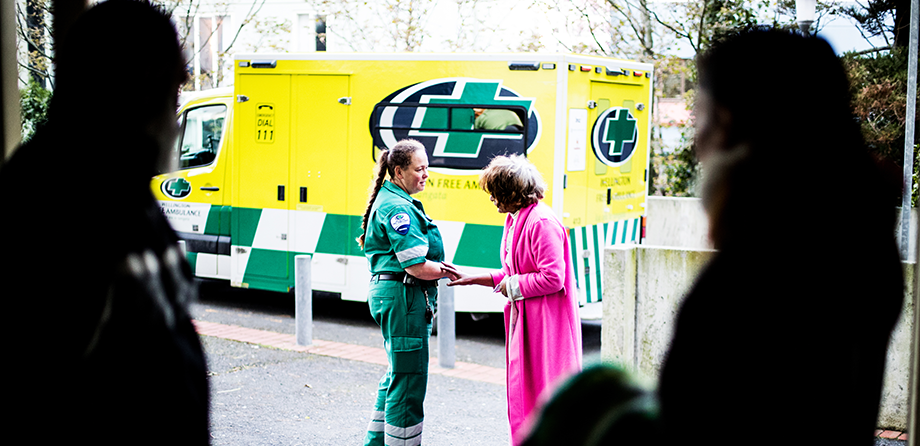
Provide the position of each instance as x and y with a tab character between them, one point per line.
779	90
117	74
776	136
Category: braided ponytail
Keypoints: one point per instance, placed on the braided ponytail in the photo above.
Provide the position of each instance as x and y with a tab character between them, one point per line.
399	156
380	173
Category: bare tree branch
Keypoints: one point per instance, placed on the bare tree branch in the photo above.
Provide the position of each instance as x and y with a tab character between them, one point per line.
249	16
591	30
872	50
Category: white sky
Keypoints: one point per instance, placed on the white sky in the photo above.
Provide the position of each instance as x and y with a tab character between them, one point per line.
843	36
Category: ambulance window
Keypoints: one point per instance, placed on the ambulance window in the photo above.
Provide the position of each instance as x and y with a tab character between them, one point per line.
462	118
202	129
444	118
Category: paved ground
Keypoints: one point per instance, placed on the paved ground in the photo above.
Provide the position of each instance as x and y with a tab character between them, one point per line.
269	391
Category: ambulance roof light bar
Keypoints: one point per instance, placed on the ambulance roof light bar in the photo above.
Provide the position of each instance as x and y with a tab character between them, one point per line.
264	64
523	66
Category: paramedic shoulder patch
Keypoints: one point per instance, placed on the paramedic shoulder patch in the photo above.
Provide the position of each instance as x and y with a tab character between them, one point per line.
400	222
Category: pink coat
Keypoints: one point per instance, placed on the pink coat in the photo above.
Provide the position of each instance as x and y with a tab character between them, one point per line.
543	340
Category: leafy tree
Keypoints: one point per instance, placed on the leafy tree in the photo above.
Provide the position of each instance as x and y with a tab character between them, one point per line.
879	89
655	32
878	79
33	101
34	55
887	19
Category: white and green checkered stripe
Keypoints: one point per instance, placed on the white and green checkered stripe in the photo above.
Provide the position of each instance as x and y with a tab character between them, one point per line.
258	232
475	247
318	232
587	245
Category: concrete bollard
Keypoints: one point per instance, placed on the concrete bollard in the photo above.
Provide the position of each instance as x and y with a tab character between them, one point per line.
303	299
447	326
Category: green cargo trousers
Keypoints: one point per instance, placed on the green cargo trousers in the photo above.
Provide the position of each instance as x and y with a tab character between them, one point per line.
400	311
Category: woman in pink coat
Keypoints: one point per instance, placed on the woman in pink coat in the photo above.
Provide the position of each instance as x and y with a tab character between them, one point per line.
542	327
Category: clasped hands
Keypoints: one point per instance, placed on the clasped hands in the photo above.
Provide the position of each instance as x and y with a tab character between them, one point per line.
458	277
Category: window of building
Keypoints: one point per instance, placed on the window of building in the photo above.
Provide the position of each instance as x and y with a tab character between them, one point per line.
205	40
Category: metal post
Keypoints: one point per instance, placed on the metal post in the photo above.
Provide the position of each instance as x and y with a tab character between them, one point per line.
303	299
447	326
909	130
913	413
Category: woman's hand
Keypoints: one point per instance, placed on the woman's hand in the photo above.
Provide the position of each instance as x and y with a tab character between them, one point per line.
502	287
458	277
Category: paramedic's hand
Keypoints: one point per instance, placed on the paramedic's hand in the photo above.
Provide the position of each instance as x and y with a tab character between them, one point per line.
451	271
458	277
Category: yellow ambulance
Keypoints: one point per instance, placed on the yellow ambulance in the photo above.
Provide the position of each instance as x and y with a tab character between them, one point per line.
280	164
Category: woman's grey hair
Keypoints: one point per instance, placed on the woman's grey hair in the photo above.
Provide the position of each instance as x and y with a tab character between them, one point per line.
513	181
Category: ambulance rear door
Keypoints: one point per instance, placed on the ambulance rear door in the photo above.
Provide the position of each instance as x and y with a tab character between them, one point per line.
322	226
260	224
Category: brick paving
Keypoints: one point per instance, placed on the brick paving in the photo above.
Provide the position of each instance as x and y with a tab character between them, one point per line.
462	370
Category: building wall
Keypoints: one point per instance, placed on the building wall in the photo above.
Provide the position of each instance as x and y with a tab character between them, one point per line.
643	290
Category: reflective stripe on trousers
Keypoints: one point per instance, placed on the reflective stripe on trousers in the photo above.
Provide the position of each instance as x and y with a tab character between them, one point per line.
403	436
377	422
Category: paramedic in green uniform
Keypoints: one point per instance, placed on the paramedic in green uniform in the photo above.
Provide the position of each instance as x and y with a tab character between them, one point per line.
404	251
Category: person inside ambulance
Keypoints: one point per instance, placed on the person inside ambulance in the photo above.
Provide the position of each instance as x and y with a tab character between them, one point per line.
404	250
496	119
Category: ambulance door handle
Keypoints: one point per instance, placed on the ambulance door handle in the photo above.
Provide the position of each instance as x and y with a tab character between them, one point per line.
210	189
303	194
280	192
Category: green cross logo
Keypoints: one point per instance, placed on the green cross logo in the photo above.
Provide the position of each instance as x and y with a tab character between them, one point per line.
467	91
621	130
614	136
176	187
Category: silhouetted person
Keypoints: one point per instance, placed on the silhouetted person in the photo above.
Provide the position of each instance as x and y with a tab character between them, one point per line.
782	339
785	332
101	349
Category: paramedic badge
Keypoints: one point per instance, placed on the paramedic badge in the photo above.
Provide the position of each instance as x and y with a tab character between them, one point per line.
614	136
400	222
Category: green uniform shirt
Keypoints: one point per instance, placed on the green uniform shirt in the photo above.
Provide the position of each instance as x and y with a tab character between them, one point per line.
399	234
